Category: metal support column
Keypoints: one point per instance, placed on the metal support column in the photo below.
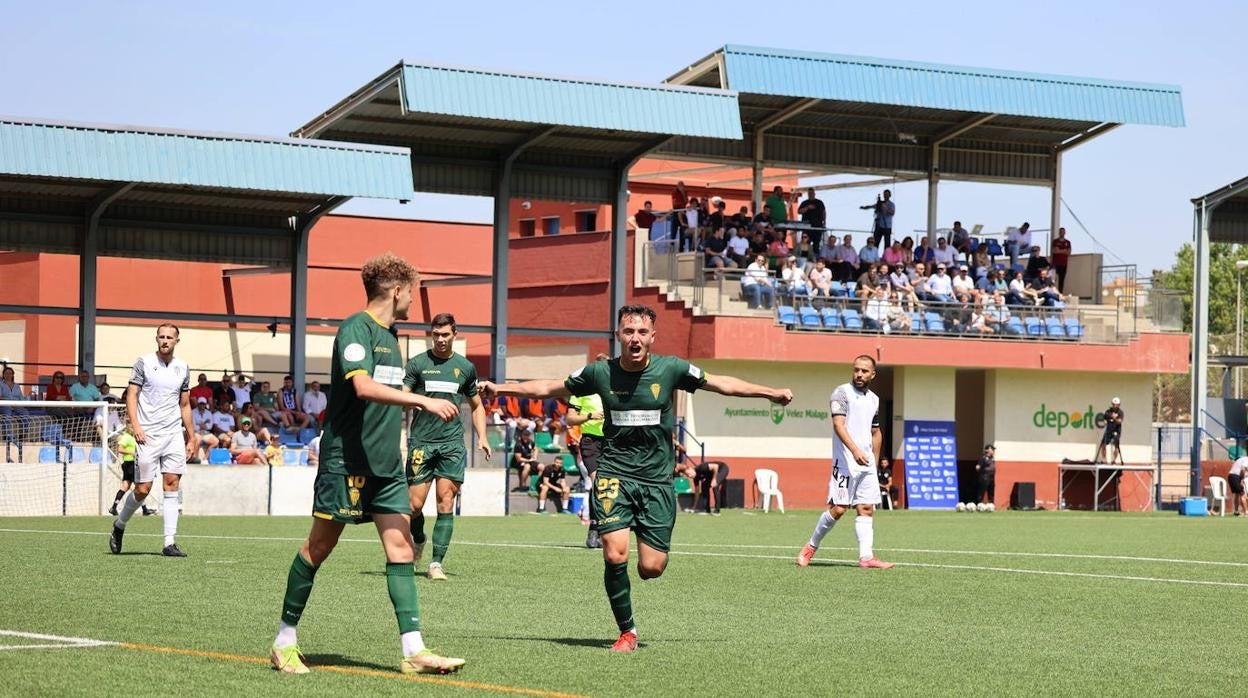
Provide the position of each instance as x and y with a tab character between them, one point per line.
756	178
499	272
88	266
933	184
619	250
1200	338
1055	200
301	230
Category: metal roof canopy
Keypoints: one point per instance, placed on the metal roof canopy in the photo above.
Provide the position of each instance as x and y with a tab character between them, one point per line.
1219	216
482	132
130	191
830	112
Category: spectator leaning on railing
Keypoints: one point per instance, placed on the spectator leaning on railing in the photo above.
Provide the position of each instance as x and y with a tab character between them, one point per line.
84	390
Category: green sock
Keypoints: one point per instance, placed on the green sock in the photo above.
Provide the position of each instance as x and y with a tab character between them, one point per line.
401	583
442	529
619	593
298	588
418	527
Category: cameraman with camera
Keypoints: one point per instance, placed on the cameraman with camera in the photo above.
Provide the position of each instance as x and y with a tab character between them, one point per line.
884	209
1113	432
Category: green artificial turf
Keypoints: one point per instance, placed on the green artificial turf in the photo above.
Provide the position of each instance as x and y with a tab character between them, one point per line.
964	612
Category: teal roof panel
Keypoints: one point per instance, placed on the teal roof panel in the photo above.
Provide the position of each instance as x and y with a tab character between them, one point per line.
767	71
180	158
554	101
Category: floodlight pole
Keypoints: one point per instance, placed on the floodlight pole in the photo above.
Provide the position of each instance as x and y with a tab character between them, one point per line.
1200	338
1239	319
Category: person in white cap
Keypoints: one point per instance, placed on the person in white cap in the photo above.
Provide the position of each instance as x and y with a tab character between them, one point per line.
201	417
1113	432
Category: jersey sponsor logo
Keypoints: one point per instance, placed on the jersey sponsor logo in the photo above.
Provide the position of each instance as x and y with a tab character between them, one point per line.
388	375
441	387
655	389
353	352
381	350
635	418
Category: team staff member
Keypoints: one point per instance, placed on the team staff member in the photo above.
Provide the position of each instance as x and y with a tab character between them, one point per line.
633	489
360	476
986	469
436	448
1235	479
1113	432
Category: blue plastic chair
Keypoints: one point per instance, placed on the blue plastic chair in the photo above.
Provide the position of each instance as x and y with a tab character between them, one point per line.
810	317
78	454
219	456
1074	330
838	290
850	319
291	456
994	248
830	317
1054	327
47	454
96	455
1014	326
303	456
916	322
1034	327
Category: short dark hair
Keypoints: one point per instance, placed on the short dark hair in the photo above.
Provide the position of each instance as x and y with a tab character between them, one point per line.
442	320
865	357
637	310
288	378
648	202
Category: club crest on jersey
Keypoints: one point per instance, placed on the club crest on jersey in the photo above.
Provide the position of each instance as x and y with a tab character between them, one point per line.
457	373
655	389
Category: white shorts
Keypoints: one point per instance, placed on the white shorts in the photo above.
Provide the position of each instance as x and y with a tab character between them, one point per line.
850	487
166	454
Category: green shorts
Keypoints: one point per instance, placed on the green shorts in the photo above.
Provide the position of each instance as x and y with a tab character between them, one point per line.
649	510
427	461
355	498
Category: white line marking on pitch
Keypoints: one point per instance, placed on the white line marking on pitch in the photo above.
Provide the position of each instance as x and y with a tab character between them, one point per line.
56	642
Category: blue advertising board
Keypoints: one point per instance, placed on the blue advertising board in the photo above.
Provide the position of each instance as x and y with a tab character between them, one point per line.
931	462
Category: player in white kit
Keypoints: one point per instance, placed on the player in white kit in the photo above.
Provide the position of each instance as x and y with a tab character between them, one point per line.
856	443
159	406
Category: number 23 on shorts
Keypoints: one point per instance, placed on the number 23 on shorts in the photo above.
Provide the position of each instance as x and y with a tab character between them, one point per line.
607	490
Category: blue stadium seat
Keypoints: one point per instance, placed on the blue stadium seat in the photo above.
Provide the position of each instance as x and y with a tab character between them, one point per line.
810	317
1054	327
1014	326
1034	327
850	287
285	438
307	434
974	243
787	315
1074	330
96	455
47	454
830	317
850	319
78	455
916	322
994	248
934	322
303	456
290	456
219	456
838	290
1016	267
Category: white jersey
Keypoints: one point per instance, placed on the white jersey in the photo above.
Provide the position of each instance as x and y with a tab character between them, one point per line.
861	410
161	387
1239	466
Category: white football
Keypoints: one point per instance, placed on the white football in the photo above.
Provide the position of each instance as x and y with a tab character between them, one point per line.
970	506
981	507
992	507
960	507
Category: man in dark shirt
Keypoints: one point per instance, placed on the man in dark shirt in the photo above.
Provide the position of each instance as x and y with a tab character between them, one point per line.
888	491
812	210
553	482
758	244
716	220
1113	432
741	219
1046	292
523	460
1060	250
986	470
716	251
1035	262
645	217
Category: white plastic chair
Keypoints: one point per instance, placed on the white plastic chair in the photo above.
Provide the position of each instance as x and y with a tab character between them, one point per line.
1217	492
768	482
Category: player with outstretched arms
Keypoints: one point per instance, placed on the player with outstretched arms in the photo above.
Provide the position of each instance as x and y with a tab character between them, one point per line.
856	444
633	488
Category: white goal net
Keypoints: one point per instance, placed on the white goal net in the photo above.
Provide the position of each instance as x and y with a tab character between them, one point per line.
59	458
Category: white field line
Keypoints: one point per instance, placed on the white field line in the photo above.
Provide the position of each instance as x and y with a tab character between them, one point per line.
569	546
55	642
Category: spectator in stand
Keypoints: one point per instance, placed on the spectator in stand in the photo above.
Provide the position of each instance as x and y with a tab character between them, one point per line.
761	220
898	318
1046	292
265	402
739	246
554	414
918	281
756	284
899	280
778	248
679	197
688	230
202	420
201	389
869	255
243	448
716	252
57	391
13	420
964	286
223	424
986	470
871	279
1035	263
777	205
1060	251
985	283
524	460
553	481
849	259
888	491
997	281
224	390
716	218
1016	241
249	412
981	261
792	280
288	408
805	251
812	211
758	243
875	310
882	222
996	312
741	219
907	251
242	390
924	253
940	286
645	217
84	390
315	402
979	319
960	239
1019	294
944	254
892	254
819	281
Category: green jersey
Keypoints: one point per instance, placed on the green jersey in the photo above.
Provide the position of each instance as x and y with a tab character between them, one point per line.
127	447
266	400
362	437
638	410
587	405
452	378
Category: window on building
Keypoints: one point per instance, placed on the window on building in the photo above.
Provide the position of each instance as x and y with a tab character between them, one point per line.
528	227
550	225
586	221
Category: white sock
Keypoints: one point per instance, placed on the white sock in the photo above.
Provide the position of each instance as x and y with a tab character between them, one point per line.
170	513
826	522
412	643
285	635
541	506
864	526
128	506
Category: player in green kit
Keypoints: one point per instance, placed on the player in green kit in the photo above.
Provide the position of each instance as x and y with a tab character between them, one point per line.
360	476
435	448
633	489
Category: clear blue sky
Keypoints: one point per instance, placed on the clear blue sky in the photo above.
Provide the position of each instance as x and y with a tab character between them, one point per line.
267	67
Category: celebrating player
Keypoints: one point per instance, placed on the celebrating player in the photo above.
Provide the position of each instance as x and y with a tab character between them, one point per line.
158	405
360	476
856	443
633	488
436	447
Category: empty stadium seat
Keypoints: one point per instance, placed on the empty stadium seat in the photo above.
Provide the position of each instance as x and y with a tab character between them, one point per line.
934	322
569	464
1054	327
1034	327
290	456
850	319
831	318
1014	326
682	485
787	315
78	454
1074	330
47	454
219	456
994	248
545	441
916	322
810	317
96	455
